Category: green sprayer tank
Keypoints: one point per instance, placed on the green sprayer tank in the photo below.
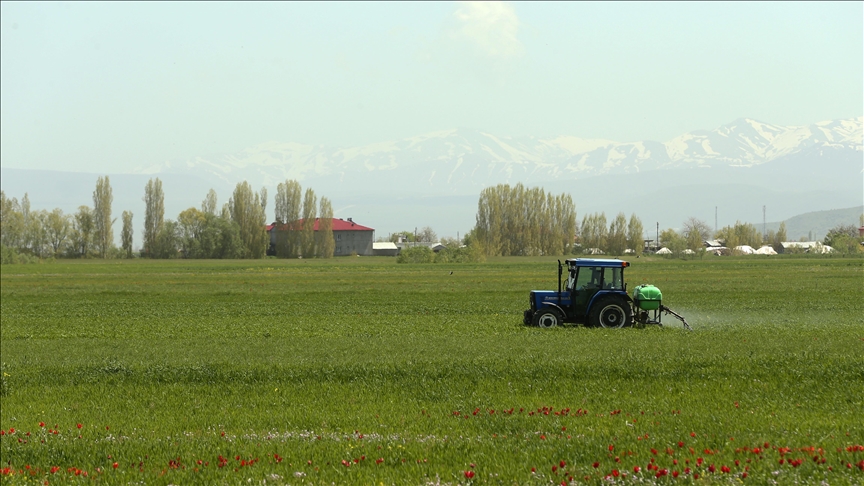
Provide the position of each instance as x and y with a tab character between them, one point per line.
647	297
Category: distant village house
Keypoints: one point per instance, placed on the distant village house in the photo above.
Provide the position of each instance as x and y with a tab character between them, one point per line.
349	236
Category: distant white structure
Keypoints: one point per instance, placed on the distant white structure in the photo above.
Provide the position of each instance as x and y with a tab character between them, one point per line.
807	246
765	250
664	251
745	249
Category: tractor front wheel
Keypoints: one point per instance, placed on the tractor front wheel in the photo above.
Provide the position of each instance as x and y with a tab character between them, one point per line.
547	317
610	313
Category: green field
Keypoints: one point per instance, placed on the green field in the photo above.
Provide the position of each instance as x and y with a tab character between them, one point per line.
362	371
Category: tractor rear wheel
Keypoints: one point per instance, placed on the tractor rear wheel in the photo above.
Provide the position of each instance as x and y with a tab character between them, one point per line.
547	317
611	313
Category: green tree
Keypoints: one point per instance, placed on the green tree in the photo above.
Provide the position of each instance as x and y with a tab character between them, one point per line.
777	238
82	232
674	241
841	230
427	234
326	244
248	212
307	236
154	214
126	234
167	241
190	228
103	231
616	241
58	229
635	234
287	209
11	222
210	203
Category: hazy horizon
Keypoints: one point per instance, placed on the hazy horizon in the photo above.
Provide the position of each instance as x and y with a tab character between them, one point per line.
108	87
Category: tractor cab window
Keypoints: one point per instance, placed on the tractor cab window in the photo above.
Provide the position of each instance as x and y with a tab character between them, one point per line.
613	280
588	278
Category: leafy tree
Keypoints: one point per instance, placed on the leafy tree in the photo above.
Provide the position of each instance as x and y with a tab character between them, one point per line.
779	238
519	221
82	232
102	222
594	232
209	205
739	234
190	227
427	234
57	226
248	212
288	206
154	214
405	235
838	231
616	241
635	234
166	244
11	222
307	237
325	244
126	234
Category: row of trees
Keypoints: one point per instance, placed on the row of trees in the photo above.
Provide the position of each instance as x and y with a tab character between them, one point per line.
520	221
619	236
295	223
48	234
237	231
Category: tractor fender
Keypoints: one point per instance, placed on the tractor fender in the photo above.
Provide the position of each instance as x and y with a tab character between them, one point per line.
604	293
560	309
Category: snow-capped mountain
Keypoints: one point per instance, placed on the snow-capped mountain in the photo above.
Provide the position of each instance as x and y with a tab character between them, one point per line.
462	161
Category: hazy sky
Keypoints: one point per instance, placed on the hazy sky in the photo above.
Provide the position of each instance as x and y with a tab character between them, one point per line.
106	87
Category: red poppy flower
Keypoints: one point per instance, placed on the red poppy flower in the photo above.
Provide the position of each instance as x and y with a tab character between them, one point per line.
596	465
636	469
469	474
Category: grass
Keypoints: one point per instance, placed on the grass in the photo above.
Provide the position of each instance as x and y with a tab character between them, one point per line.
289	370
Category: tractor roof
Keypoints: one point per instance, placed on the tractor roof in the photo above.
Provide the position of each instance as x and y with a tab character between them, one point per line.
595	262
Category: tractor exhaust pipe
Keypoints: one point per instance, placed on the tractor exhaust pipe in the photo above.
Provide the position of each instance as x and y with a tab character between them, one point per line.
559	282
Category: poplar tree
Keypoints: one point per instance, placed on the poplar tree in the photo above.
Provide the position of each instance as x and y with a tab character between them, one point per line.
82	231
287	208
519	221
247	211
126	234
209	204
616	241
102	223
635	236
326	244
154	214
307	237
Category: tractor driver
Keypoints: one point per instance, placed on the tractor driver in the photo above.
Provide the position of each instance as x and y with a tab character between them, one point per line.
594	283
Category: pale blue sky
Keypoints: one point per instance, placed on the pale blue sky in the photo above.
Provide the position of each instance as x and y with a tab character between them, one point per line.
106	87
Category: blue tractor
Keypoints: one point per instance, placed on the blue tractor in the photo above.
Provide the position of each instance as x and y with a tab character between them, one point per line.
595	294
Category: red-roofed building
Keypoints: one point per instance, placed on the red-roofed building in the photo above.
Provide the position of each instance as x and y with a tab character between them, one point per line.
349	236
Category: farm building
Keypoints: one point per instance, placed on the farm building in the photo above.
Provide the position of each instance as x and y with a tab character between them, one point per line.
349	236
805	246
385	248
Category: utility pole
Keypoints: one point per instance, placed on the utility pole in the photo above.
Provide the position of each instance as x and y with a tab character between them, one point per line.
657	241
764	226
715	219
